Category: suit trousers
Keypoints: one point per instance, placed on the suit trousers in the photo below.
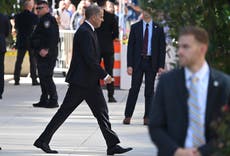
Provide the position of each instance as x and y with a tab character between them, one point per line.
145	68
2	58
95	100
45	73
18	65
108	59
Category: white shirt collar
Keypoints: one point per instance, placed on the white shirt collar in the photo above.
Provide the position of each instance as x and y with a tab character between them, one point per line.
200	74
150	23
90	25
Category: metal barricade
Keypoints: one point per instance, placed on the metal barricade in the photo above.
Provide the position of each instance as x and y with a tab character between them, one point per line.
65	47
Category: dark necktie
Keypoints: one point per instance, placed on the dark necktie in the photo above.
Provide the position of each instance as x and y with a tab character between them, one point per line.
96	43
145	41
95	36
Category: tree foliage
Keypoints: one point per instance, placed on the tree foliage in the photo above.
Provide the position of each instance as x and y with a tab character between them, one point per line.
221	128
9	7
213	15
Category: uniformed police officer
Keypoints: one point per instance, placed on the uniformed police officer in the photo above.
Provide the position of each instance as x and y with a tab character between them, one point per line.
25	23
45	39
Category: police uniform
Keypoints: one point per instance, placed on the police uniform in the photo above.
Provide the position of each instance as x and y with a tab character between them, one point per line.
46	36
25	23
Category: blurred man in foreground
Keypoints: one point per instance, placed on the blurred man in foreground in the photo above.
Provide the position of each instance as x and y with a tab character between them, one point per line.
188	99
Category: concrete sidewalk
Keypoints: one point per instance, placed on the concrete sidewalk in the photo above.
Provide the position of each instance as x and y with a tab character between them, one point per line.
21	124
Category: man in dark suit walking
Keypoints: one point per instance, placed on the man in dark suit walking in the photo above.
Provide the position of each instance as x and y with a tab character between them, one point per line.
107	32
146	55
83	78
4	32
188	99
25	23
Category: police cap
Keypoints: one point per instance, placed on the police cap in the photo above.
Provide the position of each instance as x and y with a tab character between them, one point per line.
42	2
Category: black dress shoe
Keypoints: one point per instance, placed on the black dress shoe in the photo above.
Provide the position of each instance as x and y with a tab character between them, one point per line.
0	148
44	146
52	104
112	99
40	104
35	83
16	83
0	96
117	150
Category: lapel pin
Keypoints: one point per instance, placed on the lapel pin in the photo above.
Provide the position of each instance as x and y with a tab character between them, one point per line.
155	26
216	83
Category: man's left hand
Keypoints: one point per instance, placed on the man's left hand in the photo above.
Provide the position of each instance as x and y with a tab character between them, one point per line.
43	52
161	71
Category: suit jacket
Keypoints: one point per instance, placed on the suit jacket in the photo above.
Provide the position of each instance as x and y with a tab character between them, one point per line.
4	32
85	70
107	32
169	113
135	46
25	23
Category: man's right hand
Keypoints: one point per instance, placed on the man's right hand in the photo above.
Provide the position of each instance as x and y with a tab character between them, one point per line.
130	70
186	152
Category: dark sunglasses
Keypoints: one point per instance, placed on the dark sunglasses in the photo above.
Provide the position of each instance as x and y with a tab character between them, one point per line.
39	8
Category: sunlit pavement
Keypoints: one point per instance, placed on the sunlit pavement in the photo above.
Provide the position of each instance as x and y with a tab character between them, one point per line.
21	124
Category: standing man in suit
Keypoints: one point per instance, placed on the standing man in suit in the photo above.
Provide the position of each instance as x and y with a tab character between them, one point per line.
45	40
4	32
83	78
146	55
107	32
188	99
25	23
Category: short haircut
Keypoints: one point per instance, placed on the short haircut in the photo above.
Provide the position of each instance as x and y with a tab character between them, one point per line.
92	10
42	2
27	3
101	2
200	34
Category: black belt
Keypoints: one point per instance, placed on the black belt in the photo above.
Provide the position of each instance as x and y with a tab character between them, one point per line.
146	57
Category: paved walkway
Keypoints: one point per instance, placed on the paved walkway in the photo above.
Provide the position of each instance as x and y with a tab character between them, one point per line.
21	124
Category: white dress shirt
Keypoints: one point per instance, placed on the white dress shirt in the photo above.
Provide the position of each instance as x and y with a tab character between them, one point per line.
90	25
203	76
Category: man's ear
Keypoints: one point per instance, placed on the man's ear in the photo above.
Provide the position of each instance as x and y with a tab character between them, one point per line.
204	48
93	17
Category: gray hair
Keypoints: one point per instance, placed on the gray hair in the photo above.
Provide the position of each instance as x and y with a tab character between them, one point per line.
27	3
92	10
